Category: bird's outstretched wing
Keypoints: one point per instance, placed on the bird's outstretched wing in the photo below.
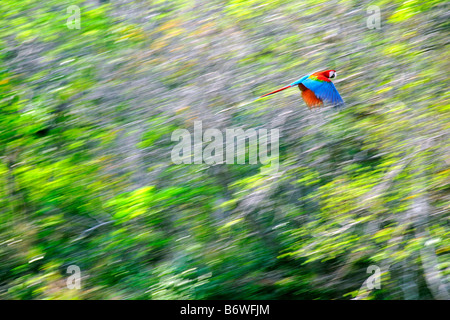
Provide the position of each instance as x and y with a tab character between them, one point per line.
324	89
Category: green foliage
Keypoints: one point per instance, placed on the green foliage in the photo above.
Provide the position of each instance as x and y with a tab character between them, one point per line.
86	179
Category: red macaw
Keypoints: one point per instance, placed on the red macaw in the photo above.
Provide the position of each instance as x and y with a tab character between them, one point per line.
316	88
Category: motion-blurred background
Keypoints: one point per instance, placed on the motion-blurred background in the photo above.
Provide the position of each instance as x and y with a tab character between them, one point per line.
86	178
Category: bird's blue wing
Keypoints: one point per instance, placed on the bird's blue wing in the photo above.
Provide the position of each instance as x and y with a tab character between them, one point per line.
325	91
295	83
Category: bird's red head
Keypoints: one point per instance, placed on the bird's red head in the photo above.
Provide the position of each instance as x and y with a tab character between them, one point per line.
329	73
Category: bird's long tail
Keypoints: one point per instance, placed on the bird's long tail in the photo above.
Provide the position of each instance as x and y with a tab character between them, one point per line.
278	90
245	103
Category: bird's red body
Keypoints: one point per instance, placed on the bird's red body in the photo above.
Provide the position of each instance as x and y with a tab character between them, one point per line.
309	97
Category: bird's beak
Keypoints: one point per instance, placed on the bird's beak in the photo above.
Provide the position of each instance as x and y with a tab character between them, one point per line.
278	90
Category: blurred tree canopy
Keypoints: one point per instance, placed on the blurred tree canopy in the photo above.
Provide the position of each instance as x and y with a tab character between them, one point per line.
86	117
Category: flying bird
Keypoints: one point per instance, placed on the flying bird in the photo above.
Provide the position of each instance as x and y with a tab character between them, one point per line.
316	89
